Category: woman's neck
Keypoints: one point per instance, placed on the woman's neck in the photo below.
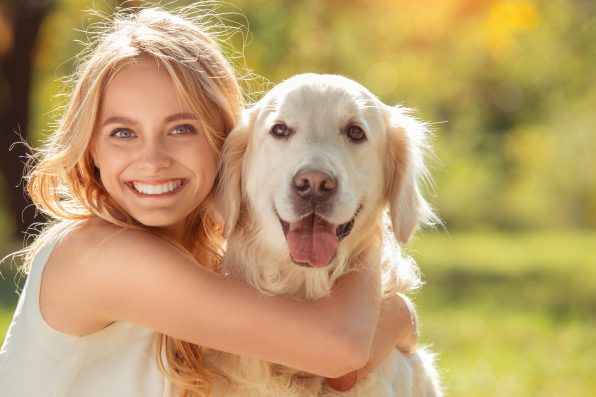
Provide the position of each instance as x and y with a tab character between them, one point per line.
175	231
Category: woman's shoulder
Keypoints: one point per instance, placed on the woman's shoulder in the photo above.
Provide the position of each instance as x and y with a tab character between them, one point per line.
92	263
99	249
98	236
95	250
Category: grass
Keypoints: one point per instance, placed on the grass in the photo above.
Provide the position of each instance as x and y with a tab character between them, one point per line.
5	317
10	282
508	314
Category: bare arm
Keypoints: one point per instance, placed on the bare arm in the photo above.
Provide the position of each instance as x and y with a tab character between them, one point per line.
137	277
396	328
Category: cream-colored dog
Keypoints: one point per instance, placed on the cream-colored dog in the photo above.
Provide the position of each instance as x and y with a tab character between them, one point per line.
307	176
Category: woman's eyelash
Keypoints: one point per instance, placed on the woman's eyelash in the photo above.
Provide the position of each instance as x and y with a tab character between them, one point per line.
184	129
122	133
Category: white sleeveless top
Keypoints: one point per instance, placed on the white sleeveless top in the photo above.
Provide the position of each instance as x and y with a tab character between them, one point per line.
38	361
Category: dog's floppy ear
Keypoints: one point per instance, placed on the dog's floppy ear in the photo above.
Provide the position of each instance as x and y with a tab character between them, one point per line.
405	170
229	189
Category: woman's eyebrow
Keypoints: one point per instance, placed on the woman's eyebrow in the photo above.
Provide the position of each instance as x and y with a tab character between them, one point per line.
181	116
168	119
117	120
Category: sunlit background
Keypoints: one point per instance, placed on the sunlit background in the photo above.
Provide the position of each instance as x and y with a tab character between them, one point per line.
509	88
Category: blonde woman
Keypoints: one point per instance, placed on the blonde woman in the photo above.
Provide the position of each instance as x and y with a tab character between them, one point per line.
122	288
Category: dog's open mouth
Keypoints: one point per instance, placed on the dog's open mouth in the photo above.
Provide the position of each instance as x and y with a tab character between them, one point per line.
312	240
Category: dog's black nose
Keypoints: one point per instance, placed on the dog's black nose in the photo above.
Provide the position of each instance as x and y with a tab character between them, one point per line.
314	184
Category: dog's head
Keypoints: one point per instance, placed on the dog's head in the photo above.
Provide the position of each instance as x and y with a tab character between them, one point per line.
317	158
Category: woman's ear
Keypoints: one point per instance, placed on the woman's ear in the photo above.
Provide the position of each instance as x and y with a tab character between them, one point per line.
407	144
229	193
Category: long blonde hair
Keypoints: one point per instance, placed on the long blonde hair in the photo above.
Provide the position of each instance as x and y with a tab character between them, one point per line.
63	182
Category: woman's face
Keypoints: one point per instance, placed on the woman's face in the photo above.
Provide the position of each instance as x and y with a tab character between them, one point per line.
154	160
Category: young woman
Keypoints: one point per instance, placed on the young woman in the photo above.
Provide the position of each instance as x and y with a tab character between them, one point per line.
122	286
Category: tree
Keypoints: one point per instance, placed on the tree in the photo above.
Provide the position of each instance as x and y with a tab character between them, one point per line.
22	21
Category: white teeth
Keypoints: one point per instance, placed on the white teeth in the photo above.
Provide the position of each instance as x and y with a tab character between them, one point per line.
157	189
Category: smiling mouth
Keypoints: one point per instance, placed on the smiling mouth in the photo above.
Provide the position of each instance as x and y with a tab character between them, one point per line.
156	189
313	240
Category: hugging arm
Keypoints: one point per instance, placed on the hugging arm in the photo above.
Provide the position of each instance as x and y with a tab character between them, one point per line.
396	329
138	277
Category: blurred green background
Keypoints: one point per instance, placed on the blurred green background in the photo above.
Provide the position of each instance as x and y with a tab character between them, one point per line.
509	87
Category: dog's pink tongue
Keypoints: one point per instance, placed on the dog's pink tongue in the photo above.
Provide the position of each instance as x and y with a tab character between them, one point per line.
312	240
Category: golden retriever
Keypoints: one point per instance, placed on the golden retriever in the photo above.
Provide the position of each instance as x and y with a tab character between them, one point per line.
307	176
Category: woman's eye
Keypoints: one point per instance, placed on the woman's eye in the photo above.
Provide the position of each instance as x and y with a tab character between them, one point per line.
123	133
355	133
280	130
184	130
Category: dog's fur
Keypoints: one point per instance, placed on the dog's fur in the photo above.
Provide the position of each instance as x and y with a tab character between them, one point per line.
260	198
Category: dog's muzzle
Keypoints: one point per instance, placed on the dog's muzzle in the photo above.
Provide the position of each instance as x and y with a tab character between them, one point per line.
313	240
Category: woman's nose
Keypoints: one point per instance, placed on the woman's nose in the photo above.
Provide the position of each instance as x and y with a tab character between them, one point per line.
155	156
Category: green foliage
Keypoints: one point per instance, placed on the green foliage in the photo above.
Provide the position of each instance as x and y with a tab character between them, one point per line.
507	85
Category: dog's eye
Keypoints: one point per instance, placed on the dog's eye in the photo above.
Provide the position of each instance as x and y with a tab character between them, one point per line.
355	134
280	130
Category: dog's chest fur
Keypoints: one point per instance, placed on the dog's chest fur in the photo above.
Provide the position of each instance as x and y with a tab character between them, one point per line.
272	273
270	270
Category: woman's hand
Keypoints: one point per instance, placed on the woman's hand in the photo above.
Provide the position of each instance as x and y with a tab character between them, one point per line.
408	336
396	328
